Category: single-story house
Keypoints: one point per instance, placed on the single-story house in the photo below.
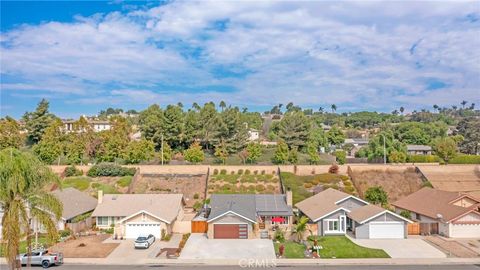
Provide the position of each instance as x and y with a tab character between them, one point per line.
357	143
448	213
337	213
244	216
75	203
413	149
132	215
253	134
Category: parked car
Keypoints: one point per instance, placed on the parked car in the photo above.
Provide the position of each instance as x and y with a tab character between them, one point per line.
144	241
41	257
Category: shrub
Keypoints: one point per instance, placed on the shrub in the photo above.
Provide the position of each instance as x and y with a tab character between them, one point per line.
307	185
423	158
315	181
197	205
333	169
260	188
232	172
247	172
223	172
215	171
465	159
124	181
406	214
64	233
240	172
263	172
72	171
347	184
341	157
376	195
279	235
349	189
110	169
196	196
255	172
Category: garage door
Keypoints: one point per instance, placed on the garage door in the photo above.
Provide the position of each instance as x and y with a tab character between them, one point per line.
385	230
134	230
465	230
230	231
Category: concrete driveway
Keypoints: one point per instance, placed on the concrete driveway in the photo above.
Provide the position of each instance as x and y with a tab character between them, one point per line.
403	248
199	246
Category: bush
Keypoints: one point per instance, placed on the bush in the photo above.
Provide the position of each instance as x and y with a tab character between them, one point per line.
247	172
223	172
279	235
255	172
376	195
349	189
341	157
196	196
465	159
240	172
110	169
406	214
72	171
124	181
232	172
215	171
64	233
347	184
260	188
307	185
333	169
422	158
263	172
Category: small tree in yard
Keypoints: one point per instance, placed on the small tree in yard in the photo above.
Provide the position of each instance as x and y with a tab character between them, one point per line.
281	153
313	156
293	155
376	195
194	153
254	151
341	157
446	148
300	228
397	157
221	152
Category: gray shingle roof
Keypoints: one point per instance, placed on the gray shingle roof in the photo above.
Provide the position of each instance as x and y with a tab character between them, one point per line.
249	205
414	147
75	202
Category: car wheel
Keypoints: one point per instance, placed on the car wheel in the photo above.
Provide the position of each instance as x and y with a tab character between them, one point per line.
45	264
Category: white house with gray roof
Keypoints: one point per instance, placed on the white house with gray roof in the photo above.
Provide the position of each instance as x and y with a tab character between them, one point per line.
244	216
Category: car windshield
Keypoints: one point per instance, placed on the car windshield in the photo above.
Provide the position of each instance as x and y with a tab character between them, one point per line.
141	238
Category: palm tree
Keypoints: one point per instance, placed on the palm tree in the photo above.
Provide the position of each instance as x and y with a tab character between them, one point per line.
402	109
24	180
222	105
472	106
454	107
180	104
196	106
464	102
320	109
301	228
435	107
334	108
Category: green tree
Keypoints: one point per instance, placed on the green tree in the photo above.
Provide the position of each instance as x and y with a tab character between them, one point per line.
294	129
194	153
10	135
335	136
469	128
254	152
300	228
138	151
312	151
24	180
36	122
115	140
221	152
376	195
281	153
397	157
151	123
231	130
173	126
445	148
52	144
210	121
293	155
340	156
167	153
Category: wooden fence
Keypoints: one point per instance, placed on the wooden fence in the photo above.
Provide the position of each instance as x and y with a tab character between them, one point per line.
199	227
81	226
414	229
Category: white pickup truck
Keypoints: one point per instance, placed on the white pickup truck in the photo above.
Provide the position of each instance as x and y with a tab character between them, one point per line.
41	257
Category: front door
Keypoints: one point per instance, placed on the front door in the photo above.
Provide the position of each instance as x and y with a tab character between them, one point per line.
343	223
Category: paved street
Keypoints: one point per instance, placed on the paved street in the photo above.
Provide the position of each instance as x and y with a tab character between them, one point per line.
330	267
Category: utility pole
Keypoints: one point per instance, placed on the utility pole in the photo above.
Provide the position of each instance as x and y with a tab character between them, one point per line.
384	150
162	148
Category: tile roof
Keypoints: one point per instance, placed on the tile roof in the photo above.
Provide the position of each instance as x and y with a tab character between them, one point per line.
164	206
433	202
74	202
321	203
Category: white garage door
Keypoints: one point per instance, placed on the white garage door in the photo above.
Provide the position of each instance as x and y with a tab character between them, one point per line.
386	230
465	230
134	230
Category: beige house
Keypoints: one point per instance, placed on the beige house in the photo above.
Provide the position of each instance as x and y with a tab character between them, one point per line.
132	215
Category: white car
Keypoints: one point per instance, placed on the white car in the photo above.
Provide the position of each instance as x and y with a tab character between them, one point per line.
144	241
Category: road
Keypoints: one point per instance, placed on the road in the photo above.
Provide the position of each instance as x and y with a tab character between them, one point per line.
321	267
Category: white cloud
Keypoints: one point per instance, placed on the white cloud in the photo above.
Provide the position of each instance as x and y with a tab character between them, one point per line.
312	53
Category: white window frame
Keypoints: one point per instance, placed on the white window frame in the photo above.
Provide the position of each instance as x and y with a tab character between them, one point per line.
107	219
341	222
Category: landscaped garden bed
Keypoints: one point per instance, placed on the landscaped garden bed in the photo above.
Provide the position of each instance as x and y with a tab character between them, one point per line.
244	181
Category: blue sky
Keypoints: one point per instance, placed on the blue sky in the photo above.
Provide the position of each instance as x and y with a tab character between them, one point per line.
86	56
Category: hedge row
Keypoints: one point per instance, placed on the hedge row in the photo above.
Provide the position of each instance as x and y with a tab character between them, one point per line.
72	171
423	158
465	159
109	169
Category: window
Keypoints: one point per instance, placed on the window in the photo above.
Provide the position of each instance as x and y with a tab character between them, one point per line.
102	221
417	216
332	225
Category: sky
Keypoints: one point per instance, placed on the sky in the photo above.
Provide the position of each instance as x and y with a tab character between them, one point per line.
85	56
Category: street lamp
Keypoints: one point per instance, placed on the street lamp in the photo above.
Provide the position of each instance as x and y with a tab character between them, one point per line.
384	150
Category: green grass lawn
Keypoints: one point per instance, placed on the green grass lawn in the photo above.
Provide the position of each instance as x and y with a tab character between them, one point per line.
293	250
342	247
80	183
23	244
125	181
107	189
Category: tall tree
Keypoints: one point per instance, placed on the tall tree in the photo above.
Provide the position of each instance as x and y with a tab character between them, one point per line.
445	148
24	180
335	136
115	140
254	151
173	126
464	102
231	130
281	153
151	124
138	151
402	109
210	121
222	105
294	129
10	135
334	108
36	122
52	145
469	128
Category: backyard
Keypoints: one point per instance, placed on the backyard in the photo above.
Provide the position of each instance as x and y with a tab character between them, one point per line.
303	187
244	181
42	240
109	185
332	247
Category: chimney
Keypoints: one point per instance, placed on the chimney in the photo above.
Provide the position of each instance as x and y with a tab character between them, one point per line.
289	196
100	196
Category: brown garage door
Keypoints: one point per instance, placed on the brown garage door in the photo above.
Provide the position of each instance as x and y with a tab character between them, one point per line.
230	231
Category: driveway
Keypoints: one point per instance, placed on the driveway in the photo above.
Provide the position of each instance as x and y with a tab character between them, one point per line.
199	246
403	248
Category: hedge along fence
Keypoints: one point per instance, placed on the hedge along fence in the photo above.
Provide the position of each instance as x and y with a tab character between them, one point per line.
465	159
423	159
110	169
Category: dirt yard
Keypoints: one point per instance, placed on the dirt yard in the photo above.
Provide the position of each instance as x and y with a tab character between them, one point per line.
397	183
191	186
86	247
244	181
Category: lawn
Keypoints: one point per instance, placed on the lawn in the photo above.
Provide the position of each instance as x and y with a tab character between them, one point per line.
293	250
23	244
106	188
125	181
80	183
342	247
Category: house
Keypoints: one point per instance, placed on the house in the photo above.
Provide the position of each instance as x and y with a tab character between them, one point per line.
336	213
97	125
357	144
244	216
132	215
452	214
75	204
413	149
253	134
